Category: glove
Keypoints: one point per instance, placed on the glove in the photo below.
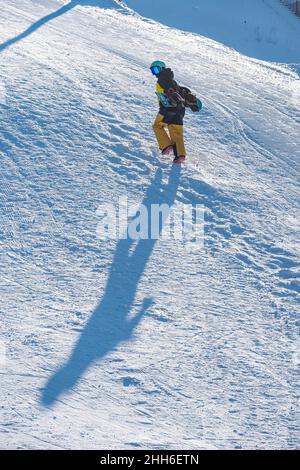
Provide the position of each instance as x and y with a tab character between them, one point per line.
195	108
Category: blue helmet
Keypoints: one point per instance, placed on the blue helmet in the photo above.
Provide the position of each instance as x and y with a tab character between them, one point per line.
157	66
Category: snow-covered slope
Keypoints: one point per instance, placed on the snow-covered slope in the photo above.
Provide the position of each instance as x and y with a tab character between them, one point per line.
264	29
146	344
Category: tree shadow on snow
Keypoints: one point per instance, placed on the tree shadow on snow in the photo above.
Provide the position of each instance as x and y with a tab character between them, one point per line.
109	324
61	11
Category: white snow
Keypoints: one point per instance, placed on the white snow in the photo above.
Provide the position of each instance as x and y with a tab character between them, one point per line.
122	344
264	29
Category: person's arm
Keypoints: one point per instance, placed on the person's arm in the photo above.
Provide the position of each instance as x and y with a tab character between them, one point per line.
185	91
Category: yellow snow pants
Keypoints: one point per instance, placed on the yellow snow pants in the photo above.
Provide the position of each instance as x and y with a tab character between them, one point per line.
173	136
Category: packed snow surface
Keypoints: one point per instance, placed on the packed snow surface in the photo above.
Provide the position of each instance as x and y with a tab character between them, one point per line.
264	29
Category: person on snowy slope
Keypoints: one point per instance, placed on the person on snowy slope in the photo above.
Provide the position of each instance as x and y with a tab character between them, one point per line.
173	99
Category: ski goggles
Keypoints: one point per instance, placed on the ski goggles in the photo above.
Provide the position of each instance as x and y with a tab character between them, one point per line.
155	70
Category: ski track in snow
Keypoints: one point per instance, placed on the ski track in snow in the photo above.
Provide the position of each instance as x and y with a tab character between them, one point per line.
167	348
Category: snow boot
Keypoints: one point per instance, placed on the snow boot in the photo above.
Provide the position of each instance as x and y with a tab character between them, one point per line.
179	159
167	150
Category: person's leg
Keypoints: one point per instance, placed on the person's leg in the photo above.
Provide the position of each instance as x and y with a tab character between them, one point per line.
162	136
176	134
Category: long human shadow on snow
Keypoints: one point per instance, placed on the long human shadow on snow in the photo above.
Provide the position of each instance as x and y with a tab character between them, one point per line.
109	325
46	19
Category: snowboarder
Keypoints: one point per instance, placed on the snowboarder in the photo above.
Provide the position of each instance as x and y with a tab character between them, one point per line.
173	99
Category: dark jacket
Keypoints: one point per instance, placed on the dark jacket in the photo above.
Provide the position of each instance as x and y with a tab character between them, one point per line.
173	98
173	114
